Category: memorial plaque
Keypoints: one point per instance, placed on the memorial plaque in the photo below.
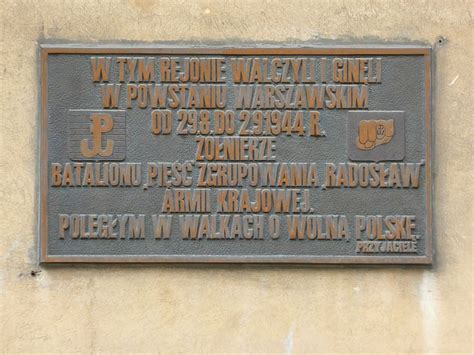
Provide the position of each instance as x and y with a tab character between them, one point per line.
243	155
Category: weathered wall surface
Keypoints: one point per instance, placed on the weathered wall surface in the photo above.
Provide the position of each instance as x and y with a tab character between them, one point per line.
244	309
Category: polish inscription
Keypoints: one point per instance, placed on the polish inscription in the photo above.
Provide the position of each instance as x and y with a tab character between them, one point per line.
227	157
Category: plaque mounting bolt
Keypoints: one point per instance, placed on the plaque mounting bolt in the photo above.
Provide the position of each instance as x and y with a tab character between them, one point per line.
441	40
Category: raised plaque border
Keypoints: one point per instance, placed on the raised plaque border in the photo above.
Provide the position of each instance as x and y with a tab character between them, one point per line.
392	50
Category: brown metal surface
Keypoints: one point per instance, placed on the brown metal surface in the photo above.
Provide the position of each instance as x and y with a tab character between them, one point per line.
47	50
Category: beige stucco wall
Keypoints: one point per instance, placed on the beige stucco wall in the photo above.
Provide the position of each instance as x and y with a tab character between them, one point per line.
172	309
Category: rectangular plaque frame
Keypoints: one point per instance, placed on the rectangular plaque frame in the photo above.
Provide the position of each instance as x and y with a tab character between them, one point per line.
385	50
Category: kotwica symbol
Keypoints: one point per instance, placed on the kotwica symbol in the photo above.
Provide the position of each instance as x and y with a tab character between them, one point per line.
101	123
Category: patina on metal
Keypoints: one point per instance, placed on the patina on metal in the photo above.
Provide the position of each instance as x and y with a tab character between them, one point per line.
236	155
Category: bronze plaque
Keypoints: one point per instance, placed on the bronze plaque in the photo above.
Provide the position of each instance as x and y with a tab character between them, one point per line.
236	155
